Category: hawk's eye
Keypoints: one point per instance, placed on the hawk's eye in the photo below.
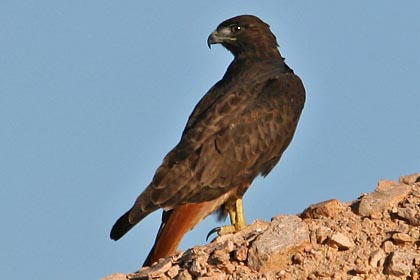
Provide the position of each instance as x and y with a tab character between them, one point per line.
235	28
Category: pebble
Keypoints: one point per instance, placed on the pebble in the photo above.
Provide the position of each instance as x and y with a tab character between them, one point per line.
329	208
400	237
340	241
399	264
377	258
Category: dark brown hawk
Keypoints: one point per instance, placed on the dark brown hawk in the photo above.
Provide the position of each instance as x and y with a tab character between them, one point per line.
237	131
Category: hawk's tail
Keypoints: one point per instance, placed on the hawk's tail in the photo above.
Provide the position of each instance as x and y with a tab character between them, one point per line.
121	226
175	224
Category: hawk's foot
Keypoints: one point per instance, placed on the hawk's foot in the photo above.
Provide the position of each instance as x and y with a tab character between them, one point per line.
237	220
221	230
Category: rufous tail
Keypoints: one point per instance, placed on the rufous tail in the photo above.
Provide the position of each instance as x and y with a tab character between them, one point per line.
175	224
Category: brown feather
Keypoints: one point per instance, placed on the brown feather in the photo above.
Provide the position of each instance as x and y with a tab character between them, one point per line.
175	224
238	130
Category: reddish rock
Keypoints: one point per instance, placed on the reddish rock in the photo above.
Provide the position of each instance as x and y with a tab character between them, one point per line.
383	244
386	197
115	276
340	241
328	208
411	214
400	263
400	237
377	258
410	179
199	266
184	275
173	271
156	271
385	185
274	248
322	234
241	254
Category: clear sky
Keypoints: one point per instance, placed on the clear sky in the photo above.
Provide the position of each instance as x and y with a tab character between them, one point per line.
93	94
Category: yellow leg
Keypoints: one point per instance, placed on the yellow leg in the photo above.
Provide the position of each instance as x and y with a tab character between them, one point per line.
237	219
237	216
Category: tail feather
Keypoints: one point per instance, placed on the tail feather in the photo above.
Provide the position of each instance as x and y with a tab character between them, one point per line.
121	226
175	224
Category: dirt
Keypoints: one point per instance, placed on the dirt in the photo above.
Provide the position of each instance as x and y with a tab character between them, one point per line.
376	236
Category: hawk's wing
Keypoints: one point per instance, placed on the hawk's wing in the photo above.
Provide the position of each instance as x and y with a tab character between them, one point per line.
265	127
224	145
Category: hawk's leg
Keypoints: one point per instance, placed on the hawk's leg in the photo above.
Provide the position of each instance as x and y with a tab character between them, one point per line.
237	216
237	219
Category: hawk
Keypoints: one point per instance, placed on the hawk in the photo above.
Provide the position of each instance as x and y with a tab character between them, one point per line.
237	131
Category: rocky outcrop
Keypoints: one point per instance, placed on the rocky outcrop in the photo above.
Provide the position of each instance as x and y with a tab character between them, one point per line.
374	237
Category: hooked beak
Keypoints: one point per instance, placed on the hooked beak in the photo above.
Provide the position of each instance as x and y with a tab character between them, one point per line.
220	36
213	39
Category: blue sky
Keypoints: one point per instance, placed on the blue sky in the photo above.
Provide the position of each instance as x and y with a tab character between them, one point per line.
93	94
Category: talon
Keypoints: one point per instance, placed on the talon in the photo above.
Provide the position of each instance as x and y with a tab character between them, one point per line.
237	219
222	231
216	229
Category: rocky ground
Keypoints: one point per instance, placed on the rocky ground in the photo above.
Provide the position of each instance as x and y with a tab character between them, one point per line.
376	236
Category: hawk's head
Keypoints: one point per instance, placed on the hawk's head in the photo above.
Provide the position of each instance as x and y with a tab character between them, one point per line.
245	35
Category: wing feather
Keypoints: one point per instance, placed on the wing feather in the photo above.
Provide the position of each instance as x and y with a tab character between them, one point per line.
237	131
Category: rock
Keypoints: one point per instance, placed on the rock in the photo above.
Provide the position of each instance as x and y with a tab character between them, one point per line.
249	233
275	247
361	269
331	242
241	254
410	179
173	271
115	276
399	263
385	185
340	241
377	258
414	274
229	268
219	257
328	208
298	258
388	246
411	214
322	234
199	266
400	237
386	197
184	275
217	276
156	271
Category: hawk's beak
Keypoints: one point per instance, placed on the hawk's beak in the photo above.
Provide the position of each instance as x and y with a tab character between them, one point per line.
220	36
212	39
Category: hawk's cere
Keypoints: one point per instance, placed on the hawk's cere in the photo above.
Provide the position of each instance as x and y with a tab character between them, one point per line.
238	130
